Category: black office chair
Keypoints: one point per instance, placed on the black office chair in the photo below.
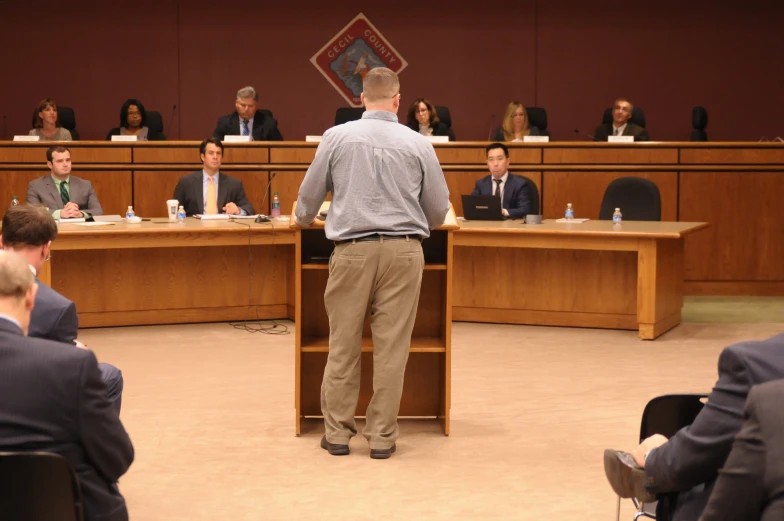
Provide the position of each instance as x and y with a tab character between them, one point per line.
665	415
699	120
534	191
444	116
67	119
537	117
38	486
637	197
638	117
155	122
346	114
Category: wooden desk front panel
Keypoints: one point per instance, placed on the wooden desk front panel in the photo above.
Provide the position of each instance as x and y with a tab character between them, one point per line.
745	241
609	155
152	188
79	154
173	285
295	155
232	155
733	156
585	191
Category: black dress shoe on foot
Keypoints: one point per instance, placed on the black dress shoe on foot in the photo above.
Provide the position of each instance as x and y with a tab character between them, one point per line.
626	478
334	448
382	453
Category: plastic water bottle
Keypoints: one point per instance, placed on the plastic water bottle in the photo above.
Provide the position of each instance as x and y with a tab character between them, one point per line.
275	205
14	201
617	217
181	213
569	212
129	213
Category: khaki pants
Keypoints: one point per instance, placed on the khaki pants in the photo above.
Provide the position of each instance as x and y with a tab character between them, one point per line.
383	277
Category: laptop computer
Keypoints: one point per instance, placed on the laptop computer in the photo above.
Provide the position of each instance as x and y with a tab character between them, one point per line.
482	208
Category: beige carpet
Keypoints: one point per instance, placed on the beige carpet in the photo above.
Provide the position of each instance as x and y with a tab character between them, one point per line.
211	412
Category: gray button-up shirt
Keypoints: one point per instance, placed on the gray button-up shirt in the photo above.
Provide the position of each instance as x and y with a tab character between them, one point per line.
384	178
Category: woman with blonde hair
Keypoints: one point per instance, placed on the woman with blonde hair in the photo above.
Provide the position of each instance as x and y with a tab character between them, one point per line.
515	125
47	123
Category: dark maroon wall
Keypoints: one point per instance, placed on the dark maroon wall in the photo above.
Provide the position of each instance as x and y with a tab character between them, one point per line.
571	57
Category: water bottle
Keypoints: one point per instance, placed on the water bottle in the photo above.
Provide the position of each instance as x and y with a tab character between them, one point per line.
617	217
275	205
14	201
129	213
181	213
569	212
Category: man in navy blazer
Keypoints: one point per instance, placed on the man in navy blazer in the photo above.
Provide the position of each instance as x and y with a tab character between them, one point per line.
247	121
52	399
514	192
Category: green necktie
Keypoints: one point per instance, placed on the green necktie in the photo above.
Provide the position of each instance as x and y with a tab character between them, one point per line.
64	192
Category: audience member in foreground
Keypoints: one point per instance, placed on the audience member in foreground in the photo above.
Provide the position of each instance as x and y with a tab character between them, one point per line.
52	399
515	125
511	189
247	121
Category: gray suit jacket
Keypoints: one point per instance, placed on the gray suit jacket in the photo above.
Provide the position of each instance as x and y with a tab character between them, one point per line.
751	484
44	191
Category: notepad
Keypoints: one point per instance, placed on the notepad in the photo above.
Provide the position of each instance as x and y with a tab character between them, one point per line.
72	220
96	223
213	217
571	221
243	216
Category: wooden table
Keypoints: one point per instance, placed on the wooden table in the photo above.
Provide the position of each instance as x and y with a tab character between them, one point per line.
165	273
592	274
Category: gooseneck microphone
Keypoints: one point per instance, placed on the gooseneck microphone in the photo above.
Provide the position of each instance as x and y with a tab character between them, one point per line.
580	133
492	127
263	218
171	119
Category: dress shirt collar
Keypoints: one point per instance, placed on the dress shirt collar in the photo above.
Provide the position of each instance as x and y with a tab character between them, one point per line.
206	177
619	129
11	319
58	181
380	114
250	125
503	178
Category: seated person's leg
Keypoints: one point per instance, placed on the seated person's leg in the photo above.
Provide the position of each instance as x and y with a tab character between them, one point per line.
114	382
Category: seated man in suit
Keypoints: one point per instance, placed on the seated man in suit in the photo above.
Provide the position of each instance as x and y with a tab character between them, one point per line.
682	471
29	231
751	483
52	399
621	126
207	191
247	121
511	189
66	196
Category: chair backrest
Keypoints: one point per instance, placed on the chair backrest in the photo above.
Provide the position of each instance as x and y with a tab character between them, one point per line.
668	414
444	116
154	121
637	197
266	112
38	486
638	117
346	114
67	118
537	117
534	191
699	120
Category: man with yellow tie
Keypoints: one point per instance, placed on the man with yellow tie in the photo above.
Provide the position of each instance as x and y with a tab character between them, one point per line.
207	191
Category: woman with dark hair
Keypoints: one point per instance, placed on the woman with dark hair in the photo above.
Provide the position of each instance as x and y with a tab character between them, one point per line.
47	123
423	118
133	121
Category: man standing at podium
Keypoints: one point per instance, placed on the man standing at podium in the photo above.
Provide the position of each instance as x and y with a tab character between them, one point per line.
388	192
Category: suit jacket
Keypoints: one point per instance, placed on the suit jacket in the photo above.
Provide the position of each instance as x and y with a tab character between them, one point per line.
750	486
690	461
498	134
265	128
54	316
44	191
639	133
517	196
441	129
52	399
190	193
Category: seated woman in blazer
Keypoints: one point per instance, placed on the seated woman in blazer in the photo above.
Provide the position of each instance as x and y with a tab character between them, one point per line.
422	117
47	123
133	119
515	125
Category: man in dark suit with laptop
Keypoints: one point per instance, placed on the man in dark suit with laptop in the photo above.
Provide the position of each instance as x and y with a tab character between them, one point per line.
207	191
511	189
247	121
53	399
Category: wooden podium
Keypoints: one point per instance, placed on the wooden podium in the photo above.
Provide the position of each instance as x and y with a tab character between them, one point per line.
427	388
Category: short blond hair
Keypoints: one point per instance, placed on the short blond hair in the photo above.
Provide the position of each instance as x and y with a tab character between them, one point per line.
15	275
380	84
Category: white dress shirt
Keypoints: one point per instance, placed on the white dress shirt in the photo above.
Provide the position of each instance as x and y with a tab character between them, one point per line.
206	178
618	131
250	127
501	186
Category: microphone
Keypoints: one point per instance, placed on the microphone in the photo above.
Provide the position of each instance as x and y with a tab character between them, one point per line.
578	132
492	127
263	218
171	119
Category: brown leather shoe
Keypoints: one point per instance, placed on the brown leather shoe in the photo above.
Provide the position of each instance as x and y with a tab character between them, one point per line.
626	478
382	453
335	449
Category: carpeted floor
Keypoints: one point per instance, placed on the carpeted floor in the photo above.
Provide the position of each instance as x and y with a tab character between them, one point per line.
211	412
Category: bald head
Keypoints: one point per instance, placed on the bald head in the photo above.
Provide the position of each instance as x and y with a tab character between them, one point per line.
380	90
17	288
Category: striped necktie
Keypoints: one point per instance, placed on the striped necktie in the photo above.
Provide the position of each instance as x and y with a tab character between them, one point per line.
245	129
64	192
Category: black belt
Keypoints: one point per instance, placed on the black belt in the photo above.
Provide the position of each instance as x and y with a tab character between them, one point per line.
378	236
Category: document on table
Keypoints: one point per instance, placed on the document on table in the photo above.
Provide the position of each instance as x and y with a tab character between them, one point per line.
212	217
96	223
575	220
